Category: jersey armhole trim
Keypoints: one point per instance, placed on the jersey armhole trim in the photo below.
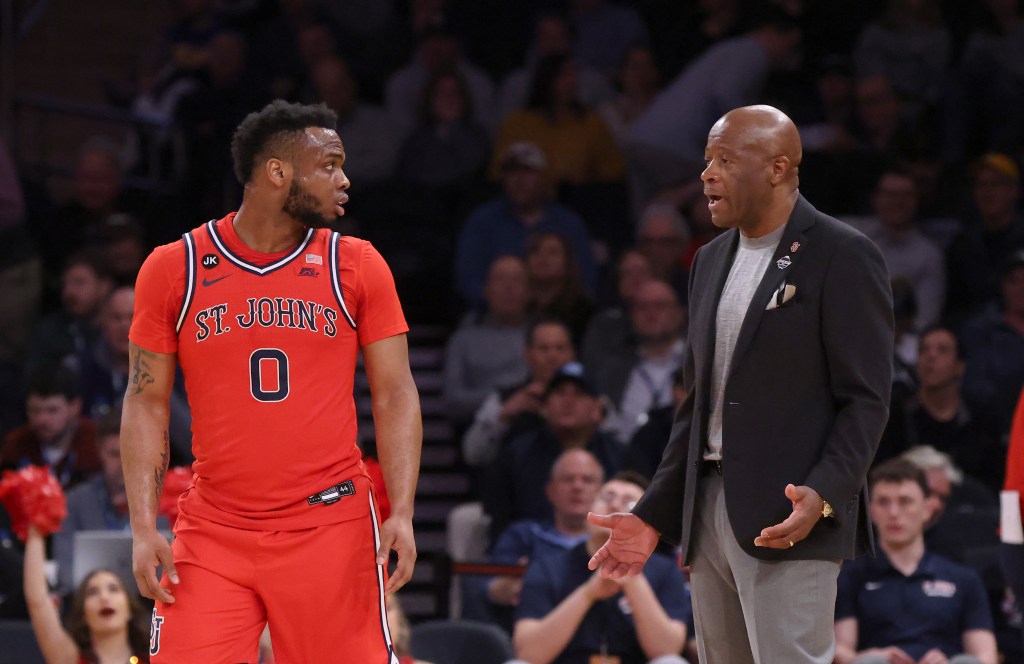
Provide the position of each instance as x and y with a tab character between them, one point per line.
336	278
190	279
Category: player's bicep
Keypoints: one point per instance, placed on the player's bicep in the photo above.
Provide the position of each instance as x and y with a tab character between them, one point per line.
150	375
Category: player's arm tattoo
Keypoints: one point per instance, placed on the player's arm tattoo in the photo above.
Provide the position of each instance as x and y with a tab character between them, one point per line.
161	471
140	369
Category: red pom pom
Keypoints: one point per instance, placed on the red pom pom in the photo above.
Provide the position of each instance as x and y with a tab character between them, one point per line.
177	482
33	496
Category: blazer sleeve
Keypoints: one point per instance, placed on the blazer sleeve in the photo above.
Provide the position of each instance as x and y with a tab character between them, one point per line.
857	338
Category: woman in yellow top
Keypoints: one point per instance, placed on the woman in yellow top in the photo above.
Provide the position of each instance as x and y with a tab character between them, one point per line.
578	145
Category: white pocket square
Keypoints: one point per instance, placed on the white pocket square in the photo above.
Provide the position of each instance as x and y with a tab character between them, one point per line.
781	296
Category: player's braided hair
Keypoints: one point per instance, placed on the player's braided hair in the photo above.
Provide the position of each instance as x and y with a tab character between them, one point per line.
271	129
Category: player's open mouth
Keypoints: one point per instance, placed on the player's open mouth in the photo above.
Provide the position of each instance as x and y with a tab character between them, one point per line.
713	200
339	205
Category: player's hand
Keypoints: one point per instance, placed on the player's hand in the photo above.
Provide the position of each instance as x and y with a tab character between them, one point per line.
934	656
396	535
150	550
630	545
807	505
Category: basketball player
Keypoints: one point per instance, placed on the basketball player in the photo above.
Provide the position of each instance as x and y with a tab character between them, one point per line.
266	311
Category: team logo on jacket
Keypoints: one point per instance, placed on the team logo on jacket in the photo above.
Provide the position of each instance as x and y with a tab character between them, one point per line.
783	262
154	634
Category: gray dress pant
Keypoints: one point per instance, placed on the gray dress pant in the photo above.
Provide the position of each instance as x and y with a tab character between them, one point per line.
752	611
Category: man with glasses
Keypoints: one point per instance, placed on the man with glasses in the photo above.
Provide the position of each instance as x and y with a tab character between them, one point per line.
569	614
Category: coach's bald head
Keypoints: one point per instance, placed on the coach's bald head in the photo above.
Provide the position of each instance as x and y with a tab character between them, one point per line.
753	157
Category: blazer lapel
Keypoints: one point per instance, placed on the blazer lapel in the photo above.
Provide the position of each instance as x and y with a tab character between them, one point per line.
792	247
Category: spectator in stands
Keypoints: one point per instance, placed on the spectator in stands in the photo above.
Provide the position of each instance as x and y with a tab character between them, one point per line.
555	283
572	487
829	130
552	36
664	238
189	37
994	340
506	412
648	443
908	253
936	414
604	32
98	188
909	46
106	623
666	143
447	147
438	51
572	412
637	82
963	511
371	139
486	352
610	331
103	369
99	503
908	604
641	380
882	128
56	435
567	613
501	226
579	147
985	243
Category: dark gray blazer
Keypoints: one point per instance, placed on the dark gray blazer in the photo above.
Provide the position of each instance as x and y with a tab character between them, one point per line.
807	394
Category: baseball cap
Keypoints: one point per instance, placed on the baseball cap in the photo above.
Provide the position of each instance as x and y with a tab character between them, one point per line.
998	162
571	372
523	155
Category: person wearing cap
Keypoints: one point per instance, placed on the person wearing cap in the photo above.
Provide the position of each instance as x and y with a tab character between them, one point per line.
983	246
572	412
501	226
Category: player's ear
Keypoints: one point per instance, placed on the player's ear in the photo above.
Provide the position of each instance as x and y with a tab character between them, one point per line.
278	172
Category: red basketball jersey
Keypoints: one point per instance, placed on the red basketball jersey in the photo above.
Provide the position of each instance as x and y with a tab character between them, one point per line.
268	346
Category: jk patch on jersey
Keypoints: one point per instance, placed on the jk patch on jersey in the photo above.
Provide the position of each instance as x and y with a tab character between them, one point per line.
333	494
313	258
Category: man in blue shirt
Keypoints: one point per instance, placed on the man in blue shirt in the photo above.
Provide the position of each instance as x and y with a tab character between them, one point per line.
500	227
575	479
907	605
570	615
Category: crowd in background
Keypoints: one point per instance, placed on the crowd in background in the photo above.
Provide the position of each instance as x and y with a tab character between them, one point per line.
530	171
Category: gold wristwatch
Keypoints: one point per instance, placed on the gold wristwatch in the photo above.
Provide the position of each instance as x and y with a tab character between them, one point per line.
826	509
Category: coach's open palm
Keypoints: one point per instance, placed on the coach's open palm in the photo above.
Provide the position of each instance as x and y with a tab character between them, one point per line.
150	550
396	535
630	545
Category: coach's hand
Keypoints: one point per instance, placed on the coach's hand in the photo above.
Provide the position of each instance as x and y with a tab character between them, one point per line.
807	506
150	550
630	545
396	535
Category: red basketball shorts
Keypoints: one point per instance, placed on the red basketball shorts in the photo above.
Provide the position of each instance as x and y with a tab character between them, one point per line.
320	589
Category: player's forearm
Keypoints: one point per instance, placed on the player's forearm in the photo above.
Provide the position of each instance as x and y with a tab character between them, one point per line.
657	633
145	453
399	427
541	641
